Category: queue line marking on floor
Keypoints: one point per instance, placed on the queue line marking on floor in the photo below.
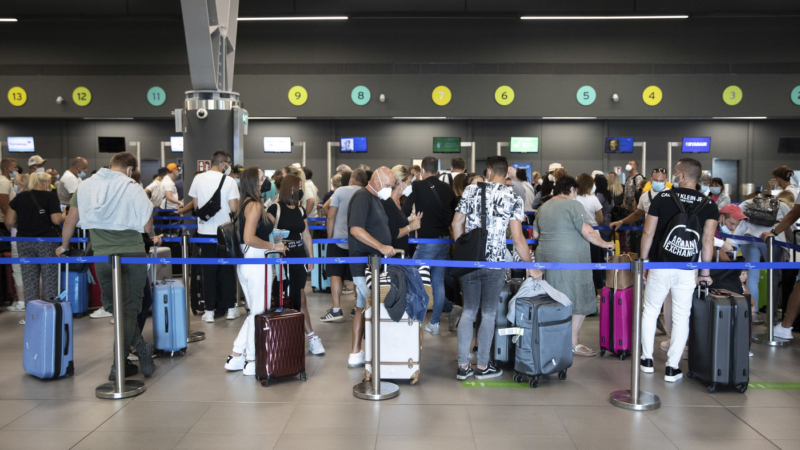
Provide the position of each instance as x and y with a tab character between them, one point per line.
495	384
773	386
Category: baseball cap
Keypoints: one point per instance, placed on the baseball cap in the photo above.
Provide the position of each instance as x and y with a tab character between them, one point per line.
597	172
36	159
734	211
237	169
172	167
554	166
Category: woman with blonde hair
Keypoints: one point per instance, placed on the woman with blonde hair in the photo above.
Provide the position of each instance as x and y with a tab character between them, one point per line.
616	189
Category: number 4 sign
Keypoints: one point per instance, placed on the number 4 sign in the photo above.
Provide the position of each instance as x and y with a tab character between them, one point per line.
203	165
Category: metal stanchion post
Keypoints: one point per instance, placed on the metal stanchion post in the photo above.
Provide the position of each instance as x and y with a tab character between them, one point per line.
768	338
120	387
633	398
191	336
376	389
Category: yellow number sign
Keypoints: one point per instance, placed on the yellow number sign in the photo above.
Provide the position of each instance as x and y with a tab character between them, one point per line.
17	96
441	95
504	95
732	95
81	96
652	95
298	95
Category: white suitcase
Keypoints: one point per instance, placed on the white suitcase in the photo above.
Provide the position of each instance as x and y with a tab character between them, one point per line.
163	271
401	345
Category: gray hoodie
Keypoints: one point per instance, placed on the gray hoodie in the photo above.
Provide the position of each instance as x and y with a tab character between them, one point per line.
111	200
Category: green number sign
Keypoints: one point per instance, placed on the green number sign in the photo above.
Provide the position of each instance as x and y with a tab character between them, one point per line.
156	96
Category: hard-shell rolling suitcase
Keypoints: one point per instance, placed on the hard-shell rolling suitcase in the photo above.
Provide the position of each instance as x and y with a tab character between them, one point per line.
163	271
320	282
76	284
169	314
719	339
280	341
502	344
616	321
95	293
47	351
545	345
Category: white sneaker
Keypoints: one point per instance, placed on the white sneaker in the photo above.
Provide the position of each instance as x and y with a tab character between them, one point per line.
16	307
22	322
783	333
249	369
347	291
236	363
233	313
665	345
356	359
112	321
101	313
432	328
132	357
208	317
751	354
315	346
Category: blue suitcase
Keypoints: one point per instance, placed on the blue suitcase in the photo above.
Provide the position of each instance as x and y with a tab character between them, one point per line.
320	282
47	351
169	317
76	284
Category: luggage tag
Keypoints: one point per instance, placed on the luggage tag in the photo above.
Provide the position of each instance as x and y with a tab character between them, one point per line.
62	296
516	332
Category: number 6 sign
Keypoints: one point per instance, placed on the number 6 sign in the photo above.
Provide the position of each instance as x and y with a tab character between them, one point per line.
504	95
441	95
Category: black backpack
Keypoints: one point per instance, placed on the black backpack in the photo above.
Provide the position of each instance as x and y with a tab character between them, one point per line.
763	210
683	237
213	205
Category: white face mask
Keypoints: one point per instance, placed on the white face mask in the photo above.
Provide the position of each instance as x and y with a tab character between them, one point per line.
407	191
551	178
414	178
629	167
228	171
40	170
594	189
540	181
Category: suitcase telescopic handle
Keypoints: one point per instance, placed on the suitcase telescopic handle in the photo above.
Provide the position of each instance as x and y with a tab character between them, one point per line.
700	287
396	251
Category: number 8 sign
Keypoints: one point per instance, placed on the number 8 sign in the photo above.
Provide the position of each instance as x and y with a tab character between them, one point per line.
441	95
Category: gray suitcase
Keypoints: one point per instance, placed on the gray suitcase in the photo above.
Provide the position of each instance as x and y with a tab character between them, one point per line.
545	345
503	346
163	272
719	339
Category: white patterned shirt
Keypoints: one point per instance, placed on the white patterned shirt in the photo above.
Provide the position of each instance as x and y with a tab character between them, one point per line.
502	206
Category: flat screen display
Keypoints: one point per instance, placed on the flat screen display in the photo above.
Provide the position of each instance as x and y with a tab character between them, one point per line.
353	145
696	145
111	144
524	145
176	144
20	144
785	145
277	144
619	145
447	145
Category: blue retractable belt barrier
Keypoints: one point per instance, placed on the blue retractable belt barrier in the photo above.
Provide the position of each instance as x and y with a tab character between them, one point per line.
179	227
317	227
174	217
530	213
164	210
788	245
192	240
624	228
39	239
317	219
450	241
246	261
171	239
57	260
330	241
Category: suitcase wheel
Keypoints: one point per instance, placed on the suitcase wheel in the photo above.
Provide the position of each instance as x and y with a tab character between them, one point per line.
562	375
711	388
303	376
265	382
689	375
622	356
602	352
534	382
517	378
313	289
742	388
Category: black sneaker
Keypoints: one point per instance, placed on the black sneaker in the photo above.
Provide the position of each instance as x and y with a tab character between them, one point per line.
489	372
145	352
131	369
353	313
463	374
646	365
332	316
672	374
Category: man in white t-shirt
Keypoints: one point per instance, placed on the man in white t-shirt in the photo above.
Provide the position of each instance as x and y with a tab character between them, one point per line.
658	180
219	281
457	166
71	179
310	199
7	193
171	200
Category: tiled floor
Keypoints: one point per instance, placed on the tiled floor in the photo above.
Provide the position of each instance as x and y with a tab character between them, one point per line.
193	403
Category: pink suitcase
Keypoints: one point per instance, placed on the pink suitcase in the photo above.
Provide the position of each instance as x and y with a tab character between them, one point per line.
616	321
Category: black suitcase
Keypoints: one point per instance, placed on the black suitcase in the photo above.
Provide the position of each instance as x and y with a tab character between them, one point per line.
176	252
719	339
503	345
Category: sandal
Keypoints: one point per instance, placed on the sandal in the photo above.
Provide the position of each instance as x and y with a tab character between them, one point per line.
582	350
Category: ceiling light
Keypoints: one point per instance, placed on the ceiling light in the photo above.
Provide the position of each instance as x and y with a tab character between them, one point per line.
569	118
419	118
601	17
272	118
266	19
740	118
7	19
108	118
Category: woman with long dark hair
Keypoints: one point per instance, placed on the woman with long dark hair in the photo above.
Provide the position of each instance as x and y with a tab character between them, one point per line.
253	227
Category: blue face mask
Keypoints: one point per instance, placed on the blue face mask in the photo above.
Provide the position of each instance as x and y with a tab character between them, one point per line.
81	174
16	189
716	190
703	188
659	186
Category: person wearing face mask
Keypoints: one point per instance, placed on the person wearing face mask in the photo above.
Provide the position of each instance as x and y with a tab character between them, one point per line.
116	211
437	201
631	184
594	212
171	200
219	282
565	234
658	183
782	179
704	184
336	227
36	164
721	198
8	191
399	224
68	183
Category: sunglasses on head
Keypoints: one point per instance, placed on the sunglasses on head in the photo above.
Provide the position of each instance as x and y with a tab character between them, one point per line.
660	170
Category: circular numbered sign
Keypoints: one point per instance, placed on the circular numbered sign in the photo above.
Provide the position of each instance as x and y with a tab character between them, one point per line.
156	96
17	96
504	95
81	96
360	95
732	95
298	95
441	95
652	95
796	95
586	95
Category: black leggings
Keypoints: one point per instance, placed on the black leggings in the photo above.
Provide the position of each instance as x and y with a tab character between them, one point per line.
297	276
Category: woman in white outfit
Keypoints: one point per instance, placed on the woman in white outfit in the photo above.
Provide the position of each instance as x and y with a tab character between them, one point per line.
254	229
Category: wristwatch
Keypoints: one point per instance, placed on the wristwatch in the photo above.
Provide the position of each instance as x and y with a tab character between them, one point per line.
774	233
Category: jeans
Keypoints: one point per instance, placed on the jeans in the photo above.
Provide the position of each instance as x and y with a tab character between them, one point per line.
133	280
255	281
481	289
681	284
362	291
438	252
752	252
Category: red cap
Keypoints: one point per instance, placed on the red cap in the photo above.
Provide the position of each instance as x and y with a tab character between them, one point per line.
734	211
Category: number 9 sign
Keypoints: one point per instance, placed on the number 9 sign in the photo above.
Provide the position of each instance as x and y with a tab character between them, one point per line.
298	95
441	95
504	95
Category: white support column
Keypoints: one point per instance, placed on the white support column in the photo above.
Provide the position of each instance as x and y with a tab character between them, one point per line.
669	158
138	146
643	170
500	145
472	155
331	144
302	145
163	154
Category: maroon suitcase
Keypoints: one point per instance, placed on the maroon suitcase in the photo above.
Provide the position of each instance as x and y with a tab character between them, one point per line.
280	341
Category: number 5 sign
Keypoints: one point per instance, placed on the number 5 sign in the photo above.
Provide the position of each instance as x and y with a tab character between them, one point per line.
203	165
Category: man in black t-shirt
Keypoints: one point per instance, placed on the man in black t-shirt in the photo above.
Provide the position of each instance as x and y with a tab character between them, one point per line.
369	234
679	282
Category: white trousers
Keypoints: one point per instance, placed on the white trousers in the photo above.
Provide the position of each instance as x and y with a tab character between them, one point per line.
660	282
255	279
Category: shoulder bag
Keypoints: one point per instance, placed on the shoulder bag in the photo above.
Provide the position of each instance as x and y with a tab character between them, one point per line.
472	246
213	205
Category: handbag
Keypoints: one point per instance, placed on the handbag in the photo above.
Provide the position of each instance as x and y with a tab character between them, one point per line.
472	246
42	211
213	205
